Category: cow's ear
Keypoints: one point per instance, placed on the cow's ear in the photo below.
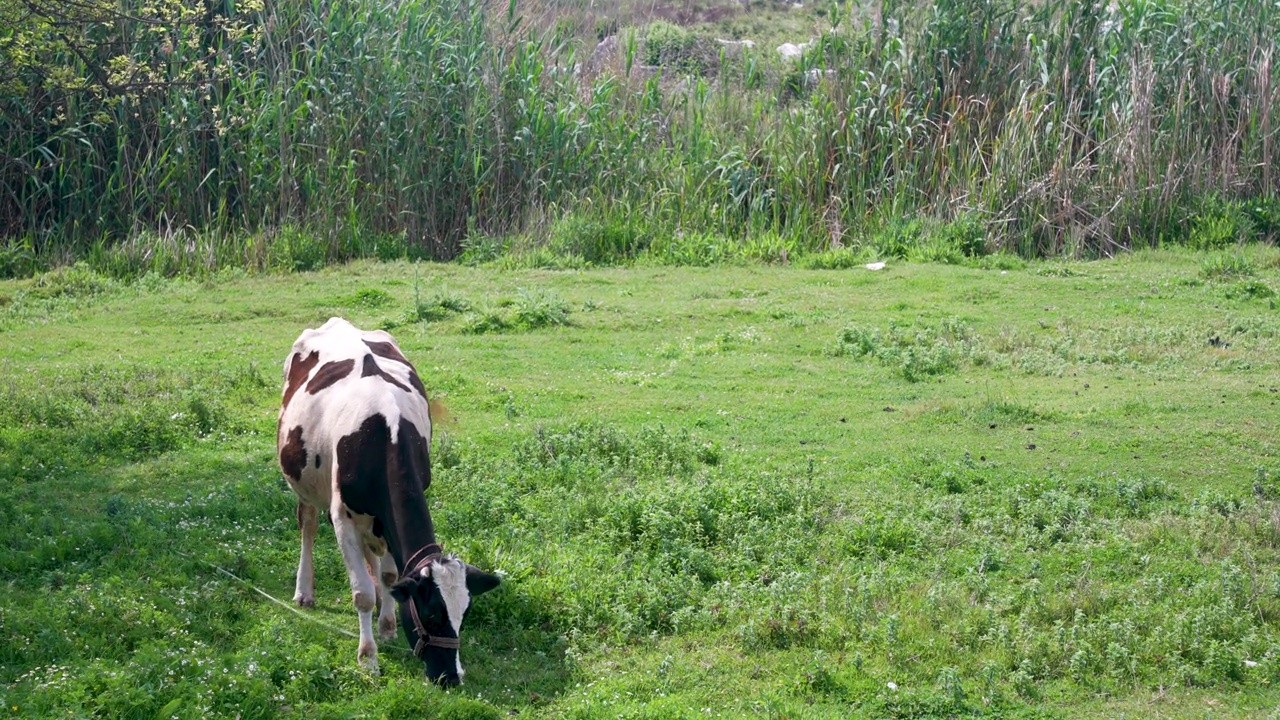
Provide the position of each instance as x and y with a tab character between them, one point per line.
480	582
405	587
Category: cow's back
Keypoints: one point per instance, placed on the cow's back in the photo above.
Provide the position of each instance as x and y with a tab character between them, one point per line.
337	378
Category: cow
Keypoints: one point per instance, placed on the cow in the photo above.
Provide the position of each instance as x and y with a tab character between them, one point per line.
353	441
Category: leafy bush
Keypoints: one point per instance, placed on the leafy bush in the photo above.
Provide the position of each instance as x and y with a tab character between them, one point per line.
671	45
478	249
485	320
539	257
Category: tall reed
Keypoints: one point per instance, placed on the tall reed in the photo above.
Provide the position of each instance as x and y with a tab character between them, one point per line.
1065	127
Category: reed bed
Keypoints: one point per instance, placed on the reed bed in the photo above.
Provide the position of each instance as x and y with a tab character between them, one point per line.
433	129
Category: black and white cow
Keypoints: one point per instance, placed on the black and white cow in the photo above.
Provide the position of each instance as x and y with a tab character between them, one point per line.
353	441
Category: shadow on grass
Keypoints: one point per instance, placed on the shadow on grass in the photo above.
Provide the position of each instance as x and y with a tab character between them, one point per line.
513	657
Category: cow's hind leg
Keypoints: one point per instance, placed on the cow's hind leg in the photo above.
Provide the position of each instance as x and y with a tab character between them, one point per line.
304	592
363	591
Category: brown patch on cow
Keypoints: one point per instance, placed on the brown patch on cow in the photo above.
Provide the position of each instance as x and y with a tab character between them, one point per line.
299	369
293	455
390	578
371	369
387	350
330	373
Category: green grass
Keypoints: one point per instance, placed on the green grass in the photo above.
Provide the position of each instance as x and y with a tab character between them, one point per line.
1011	490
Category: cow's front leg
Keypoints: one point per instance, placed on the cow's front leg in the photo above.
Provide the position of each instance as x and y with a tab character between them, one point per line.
387	577
363	591
304	592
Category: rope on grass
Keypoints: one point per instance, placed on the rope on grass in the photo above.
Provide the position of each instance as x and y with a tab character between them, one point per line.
281	603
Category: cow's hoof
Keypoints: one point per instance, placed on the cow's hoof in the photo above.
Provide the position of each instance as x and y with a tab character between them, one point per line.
387	627
304	601
369	662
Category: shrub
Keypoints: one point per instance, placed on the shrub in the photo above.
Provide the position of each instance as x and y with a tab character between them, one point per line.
479	248
672	46
666	43
485	320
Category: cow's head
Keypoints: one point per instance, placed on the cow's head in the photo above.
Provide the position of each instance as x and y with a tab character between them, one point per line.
434	598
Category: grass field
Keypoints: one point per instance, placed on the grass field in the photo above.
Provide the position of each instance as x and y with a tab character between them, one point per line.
999	490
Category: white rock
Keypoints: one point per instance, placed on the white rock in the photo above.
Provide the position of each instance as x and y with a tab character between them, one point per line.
791	50
875	266
1250	663
892	685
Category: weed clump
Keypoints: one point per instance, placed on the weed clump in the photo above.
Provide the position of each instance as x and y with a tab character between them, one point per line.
696	249
1223	265
74	281
915	351
835	259
1250	290
529	310
537	309
440	305
369	298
